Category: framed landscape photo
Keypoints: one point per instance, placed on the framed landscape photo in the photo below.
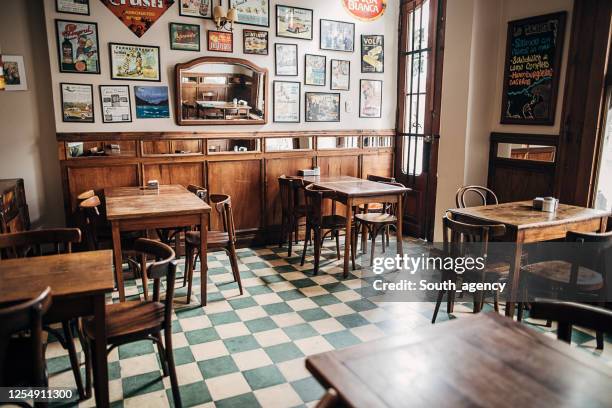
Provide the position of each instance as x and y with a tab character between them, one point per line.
115	103
251	12
285	56
370	98
77	102
77	46
196	8
184	37
286	101
322	107
294	22
14	73
134	62
255	42
72	7
220	41
340	75
373	54
151	102
315	69
337	36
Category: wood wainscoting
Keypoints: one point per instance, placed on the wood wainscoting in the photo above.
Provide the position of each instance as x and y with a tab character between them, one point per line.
249	177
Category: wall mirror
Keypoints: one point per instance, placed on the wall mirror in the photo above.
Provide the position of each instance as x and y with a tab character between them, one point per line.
221	91
526	152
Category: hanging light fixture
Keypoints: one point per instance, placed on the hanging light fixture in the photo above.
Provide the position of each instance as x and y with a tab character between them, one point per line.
222	20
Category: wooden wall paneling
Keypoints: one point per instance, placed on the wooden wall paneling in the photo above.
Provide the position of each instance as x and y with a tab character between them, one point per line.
150	147
380	164
174	173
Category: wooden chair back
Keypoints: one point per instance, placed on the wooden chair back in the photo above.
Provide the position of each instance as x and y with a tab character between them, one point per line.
485	196
315	200
25	316
596	254
289	190
201	192
223	205
27	243
380	179
460	238
391	208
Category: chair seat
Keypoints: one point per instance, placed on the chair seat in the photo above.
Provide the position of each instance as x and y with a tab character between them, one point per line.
559	272
376	218
129	318
214	238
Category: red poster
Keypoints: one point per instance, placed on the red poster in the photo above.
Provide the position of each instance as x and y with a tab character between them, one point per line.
365	10
220	41
138	15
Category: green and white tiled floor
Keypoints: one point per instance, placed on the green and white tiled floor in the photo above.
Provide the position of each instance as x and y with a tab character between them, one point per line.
249	351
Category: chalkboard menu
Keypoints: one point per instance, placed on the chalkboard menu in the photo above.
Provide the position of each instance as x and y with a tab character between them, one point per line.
532	69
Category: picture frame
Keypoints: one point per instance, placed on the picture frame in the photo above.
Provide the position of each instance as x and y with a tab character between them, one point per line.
251	12
196	8
337	35
220	41
152	102
322	107
285	59
286	101
294	22
134	62
184	37
137	15
315	70
372	53
78	48
370	98
255	42
77	102
115	103
340	75
14	73
80	7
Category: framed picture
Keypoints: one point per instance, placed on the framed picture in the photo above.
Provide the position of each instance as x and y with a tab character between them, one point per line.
252	12
14	73
285	56
115	103
294	22
77	47
370	98
340	75
151	102
373	54
77	103
138	16
134	62
196	8
322	107
337	36
184	37
220	41
314	69
255	42
286	101
72	7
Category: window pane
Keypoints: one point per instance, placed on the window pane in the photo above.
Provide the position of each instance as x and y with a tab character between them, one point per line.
603	199
413	155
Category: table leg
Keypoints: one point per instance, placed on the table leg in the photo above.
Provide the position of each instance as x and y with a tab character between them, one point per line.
515	275
398	226
99	358
203	258
364	233
118	260
347	239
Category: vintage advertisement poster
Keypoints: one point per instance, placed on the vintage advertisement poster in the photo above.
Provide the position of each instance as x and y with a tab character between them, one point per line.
314	72
185	37
372	54
77	44
365	10
370	99
196	8
294	22
286	102
340	75
337	36
72	6
220	41
14	73
255	42
134	62
322	107
115	102
285	56
138	16
252	12
77	102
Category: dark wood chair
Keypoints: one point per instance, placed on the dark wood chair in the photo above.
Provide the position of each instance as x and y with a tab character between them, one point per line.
484	195
372	208
131	321
330	399
292	209
462	240
38	243
322	225
225	240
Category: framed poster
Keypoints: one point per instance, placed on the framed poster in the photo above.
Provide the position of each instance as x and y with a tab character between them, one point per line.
286	101
151	102
196	8
115	103
294	22
184	37
220	41
72	7
531	70
285	56
14	73
322	107
139	16
340	75
314	69
373	54
77	47
370	98
255	42
252	12
134	62
77	102
337	36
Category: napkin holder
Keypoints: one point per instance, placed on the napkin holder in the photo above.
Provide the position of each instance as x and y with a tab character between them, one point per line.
310	172
153	185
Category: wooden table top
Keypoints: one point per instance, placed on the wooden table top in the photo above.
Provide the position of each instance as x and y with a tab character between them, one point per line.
138	202
521	215
353	186
486	360
67	275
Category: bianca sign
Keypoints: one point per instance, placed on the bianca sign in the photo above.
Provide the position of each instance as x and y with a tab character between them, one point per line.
365	10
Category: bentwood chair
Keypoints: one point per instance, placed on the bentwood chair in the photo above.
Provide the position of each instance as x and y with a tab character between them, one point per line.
373	208
292	209
35	243
483	196
131	321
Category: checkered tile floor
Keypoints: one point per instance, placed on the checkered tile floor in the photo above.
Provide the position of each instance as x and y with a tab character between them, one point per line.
249	351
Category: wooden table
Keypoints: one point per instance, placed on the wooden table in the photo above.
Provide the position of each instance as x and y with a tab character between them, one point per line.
525	225
78	283
353	191
139	208
482	361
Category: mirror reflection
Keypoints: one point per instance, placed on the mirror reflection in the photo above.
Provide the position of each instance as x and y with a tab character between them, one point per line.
340	142
282	144
526	152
